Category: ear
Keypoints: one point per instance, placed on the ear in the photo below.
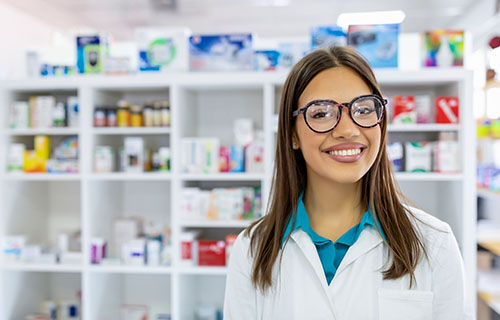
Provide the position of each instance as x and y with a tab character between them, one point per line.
295	141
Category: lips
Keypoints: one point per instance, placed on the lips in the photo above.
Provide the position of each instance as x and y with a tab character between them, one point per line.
346	146
346	152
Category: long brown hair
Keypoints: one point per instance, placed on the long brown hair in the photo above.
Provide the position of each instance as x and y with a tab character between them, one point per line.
379	188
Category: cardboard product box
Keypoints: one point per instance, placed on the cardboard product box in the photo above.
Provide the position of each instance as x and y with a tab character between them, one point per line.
134	153
443	48
90	52
395	151
378	44
211	253
266	60
404	109
418	157
326	36
291	52
447	110
163	49
224	52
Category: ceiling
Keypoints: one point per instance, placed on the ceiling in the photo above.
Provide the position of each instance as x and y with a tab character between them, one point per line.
268	18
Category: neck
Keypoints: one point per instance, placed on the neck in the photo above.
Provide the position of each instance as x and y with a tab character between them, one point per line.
332	205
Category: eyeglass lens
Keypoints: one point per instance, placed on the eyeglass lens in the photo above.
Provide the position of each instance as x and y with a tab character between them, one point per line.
323	116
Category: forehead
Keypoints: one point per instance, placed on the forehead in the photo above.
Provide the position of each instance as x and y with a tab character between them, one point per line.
341	84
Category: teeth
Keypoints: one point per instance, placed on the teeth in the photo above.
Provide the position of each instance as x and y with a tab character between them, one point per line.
350	152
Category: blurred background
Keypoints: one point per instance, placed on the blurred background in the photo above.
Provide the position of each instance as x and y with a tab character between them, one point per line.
137	139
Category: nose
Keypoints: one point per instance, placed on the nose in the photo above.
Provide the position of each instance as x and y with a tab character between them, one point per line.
346	128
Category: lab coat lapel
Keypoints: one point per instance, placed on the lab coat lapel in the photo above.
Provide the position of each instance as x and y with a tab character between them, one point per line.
308	248
368	240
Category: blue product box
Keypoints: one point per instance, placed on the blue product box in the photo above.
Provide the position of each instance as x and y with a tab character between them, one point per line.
326	36
266	60
226	52
90	51
237	159
291	53
378	44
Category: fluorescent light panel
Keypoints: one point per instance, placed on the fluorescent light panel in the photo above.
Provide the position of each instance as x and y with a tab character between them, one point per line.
374	17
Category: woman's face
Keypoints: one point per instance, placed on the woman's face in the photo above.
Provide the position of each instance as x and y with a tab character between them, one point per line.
340	84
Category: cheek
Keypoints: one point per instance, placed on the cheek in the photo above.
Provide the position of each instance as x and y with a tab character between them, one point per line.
307	138
374	138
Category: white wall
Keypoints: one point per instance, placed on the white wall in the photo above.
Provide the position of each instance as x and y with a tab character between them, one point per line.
18	32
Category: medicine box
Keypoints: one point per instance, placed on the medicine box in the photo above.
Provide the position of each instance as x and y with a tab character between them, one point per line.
378	44
163	49
222	52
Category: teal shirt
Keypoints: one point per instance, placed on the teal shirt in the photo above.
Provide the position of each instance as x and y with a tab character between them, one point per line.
330	254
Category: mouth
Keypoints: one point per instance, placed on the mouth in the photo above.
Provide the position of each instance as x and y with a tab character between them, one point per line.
346	155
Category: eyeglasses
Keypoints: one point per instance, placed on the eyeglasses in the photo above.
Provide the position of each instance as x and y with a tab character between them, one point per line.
322	116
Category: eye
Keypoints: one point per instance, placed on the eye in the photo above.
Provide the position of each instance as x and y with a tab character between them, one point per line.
320	112
364	111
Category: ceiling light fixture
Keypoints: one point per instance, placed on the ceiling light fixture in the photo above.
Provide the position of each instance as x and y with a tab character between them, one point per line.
374	17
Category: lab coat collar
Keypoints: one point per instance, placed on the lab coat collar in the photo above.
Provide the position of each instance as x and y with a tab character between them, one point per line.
368	240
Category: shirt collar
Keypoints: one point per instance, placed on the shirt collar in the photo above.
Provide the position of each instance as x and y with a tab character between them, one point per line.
302	221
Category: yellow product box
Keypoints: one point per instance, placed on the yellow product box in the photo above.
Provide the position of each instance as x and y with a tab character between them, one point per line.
42	147
33	162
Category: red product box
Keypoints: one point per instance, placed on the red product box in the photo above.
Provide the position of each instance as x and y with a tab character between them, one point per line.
447	109
211	253
224	159
405	109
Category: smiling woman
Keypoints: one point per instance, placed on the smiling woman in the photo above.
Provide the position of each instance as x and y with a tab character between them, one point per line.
339	240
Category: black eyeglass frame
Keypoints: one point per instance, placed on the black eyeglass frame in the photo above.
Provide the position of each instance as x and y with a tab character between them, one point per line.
348	105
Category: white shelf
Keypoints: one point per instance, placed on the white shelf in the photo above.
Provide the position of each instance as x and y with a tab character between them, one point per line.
488	194
119	269
427	127
215	223
42	176
225	176
203	271
428	176
94	205
120	176
26	267
48	132
131	131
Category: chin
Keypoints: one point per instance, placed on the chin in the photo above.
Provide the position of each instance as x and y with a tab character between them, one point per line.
345	179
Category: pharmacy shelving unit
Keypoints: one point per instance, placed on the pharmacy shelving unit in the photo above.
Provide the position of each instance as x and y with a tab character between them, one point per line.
202	105
489	239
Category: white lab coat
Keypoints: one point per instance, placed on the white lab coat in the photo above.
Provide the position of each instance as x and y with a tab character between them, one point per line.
358	290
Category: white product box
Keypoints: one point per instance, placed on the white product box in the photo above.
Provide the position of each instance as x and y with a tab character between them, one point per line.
19	115
418	157
12	247
16	157
134	154
254	157
124	230
163	49
190	203
104	159
134	312
31	254
243	131
189	250
200	155
153	252
134	252
73	112
447	155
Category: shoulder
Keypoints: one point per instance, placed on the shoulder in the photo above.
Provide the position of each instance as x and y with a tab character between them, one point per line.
434	232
